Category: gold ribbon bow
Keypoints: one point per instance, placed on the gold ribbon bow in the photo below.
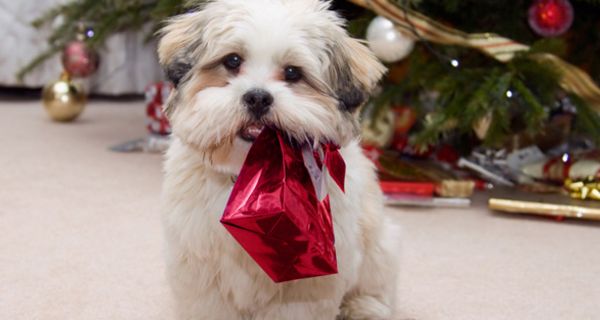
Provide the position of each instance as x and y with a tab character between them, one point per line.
583	189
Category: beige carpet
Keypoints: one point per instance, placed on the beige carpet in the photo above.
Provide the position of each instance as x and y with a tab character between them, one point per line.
80	236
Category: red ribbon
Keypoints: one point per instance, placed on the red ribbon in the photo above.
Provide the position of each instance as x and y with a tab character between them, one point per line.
335	164
274	211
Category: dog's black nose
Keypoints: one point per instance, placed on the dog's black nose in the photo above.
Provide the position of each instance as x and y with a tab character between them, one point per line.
258	102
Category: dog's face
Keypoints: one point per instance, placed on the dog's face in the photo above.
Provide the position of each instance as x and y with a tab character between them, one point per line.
239	65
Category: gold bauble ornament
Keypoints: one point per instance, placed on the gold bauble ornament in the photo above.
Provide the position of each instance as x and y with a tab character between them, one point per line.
64	100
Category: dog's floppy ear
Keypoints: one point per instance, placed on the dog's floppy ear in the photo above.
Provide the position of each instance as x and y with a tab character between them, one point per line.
179	39
354	72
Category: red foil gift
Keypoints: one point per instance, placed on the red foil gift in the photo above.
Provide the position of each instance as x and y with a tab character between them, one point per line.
278	211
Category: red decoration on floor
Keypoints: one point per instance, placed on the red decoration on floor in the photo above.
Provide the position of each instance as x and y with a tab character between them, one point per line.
551	18
156	96
406	187
278	211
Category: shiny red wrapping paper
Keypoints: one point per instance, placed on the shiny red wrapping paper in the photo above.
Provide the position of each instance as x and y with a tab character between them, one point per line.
275	213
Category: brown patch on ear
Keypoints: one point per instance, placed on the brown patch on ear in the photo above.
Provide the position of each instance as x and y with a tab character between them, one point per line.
364	65
178	35
354	72
180	41
181	37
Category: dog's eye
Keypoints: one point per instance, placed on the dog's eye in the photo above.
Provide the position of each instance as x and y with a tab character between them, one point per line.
292	74
232	62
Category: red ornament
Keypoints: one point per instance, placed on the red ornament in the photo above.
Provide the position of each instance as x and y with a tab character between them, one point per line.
156	96
551	18
79	60
278	211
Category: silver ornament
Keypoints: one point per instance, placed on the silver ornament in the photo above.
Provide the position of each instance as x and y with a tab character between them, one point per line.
388	44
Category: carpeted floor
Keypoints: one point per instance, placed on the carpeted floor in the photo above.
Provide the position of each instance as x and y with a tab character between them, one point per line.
80	236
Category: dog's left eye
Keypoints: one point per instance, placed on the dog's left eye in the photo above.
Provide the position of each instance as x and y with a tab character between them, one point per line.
292	74
232	62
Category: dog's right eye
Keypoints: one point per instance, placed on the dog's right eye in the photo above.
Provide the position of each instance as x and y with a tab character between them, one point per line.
232	62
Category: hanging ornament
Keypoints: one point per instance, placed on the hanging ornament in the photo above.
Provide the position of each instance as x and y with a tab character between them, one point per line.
79	60
388	44
63	99
550	18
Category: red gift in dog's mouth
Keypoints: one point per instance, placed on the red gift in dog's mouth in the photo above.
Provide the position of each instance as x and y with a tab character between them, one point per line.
279	210
251	131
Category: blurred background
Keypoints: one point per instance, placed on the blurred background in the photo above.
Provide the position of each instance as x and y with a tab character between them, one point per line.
489	108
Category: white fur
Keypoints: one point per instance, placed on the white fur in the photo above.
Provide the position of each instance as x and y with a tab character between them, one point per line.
212	277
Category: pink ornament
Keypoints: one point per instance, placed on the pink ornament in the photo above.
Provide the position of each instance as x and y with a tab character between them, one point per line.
551	18
79	60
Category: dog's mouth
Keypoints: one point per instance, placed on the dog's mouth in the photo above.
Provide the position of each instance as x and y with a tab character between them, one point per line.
251	131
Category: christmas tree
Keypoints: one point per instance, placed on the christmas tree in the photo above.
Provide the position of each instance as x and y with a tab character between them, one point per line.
465	90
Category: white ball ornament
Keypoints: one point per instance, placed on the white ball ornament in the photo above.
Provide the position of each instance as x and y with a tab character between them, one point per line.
388	44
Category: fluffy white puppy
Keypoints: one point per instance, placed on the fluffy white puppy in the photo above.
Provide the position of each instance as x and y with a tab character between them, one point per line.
239	65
